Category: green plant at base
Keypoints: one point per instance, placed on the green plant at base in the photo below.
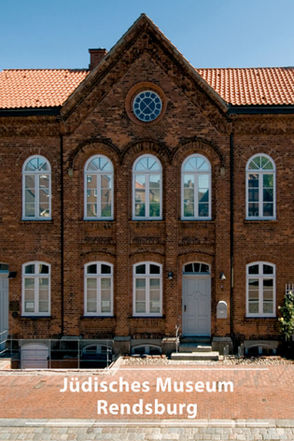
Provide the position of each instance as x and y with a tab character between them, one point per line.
286	320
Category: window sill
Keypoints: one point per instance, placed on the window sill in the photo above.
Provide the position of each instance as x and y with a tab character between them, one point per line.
258	317
35	317
106	219
34	221
83	317
192	221
146	317
258	221
143	219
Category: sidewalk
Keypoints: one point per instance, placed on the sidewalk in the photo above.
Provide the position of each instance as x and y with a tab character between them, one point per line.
89	430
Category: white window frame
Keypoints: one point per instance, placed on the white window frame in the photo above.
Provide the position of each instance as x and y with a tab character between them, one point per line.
147	174
147	277
98	175
36	289
37	187
260	277
260	188
98	277
196	201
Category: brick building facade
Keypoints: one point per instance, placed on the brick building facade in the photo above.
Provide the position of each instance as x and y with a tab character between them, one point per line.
143	159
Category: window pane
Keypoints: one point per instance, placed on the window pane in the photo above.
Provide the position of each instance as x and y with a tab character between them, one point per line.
253	180
30	269
140	284
188	202
203	195
253	308
253	293
268	307
268	209
154	269
253	195
106	283
106	209
203	181
30	196
92	210
43	269
140	307
204	268
29	295
266	164
105	269
188	268
154	300
154	209
268	180
92	269
43	295
253	210
268	194
203	210
154	284
105	295
140	269
91	295
268	269
253	269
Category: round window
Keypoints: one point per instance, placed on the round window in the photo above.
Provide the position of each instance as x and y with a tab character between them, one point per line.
147	105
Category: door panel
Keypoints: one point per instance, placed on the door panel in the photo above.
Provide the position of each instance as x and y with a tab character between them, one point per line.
196	306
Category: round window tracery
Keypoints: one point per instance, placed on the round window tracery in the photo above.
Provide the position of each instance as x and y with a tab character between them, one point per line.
147	105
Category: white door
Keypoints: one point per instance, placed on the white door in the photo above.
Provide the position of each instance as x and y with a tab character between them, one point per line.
3	310
34	356
196	306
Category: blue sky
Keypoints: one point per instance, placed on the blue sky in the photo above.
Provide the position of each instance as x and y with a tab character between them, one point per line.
209	33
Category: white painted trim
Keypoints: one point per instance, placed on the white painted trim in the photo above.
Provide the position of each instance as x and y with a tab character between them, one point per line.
147	277
98	277
260	277
260	188
37	189
98	188
147	199
36	289
196	202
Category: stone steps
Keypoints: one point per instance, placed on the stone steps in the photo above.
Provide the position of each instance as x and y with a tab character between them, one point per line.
195	356
194	347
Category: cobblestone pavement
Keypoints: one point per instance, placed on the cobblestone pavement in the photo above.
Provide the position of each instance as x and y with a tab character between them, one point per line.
89	430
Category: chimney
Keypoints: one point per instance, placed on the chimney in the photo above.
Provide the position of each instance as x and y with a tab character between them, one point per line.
96	56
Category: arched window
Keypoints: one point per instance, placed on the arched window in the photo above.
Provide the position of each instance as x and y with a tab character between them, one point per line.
147	289
98	289
261	289
196	188
98	188
260	187
36	289
36	188
196	268
147	185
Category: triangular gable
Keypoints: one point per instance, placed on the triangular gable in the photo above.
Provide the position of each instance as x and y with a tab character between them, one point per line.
142	25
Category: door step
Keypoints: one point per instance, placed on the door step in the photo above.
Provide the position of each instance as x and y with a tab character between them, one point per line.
195	356
196	340
195	347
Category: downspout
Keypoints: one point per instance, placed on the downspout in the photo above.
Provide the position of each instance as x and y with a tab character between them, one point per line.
61	236
232	194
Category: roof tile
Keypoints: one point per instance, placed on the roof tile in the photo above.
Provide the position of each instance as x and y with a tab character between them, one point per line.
37	88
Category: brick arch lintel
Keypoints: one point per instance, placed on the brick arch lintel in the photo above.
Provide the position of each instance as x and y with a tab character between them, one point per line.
198	142
146	145
81	148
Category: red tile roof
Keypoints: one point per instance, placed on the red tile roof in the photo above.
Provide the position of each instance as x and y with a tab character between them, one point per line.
252	86
36	88
24	88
